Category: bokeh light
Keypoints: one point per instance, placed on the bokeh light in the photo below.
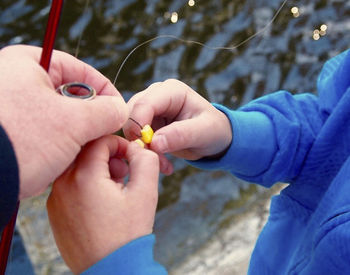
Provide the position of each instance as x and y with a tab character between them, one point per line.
295	11
174	17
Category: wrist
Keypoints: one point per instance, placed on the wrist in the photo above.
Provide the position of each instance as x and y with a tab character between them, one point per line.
223	131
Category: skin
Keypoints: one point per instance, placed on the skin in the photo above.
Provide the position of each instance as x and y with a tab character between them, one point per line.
46	129
185	123
91	211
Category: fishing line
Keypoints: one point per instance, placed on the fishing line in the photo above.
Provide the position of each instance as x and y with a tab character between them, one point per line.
138	124
87	4
186	41
133	120
199	43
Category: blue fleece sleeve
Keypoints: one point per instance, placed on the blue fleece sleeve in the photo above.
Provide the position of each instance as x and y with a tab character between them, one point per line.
271	138
9	179
134	258
250	128
273	135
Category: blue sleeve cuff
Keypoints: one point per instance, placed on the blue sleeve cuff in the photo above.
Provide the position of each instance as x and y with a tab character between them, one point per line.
252	149
134	258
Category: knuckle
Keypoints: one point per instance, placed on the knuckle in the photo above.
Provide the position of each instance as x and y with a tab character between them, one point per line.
135	100
172	81
136	97
177	86
151	89
140	103
155	85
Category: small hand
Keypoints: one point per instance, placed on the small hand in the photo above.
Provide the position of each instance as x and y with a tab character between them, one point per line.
185	123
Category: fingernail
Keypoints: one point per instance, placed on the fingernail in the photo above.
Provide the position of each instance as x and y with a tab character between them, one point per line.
160	143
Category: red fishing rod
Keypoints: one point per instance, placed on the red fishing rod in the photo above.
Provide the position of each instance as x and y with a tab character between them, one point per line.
48	44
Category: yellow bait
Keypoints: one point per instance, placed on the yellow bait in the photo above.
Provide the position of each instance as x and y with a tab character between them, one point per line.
147	134
140	142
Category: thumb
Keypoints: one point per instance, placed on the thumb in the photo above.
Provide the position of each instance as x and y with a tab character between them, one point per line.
178	136
144	169
98	117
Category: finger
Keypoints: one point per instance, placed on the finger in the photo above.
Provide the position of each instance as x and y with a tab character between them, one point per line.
65	68
98	153
118	168
180	135
166	167
92	119
164	99
143	169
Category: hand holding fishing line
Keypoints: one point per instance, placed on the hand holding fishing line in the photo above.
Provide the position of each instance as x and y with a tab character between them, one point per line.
185	123
47	130
92	212
180	138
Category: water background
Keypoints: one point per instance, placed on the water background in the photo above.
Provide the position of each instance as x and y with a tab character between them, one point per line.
194	206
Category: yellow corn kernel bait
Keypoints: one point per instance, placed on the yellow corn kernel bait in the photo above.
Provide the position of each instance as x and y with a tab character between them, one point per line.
140	142
147	134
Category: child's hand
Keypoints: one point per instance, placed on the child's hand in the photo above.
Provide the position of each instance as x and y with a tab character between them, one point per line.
91	212
185	123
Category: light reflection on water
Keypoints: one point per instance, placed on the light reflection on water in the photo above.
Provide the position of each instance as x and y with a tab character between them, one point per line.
288	55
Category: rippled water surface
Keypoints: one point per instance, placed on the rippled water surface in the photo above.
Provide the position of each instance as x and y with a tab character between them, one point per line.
288	54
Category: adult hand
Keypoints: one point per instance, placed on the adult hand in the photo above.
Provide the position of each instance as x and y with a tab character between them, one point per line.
186	124
91	211
46	129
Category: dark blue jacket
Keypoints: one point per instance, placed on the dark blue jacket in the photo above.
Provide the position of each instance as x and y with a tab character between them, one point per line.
9	180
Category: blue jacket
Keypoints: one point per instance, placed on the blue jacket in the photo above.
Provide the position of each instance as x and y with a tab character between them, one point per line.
303	140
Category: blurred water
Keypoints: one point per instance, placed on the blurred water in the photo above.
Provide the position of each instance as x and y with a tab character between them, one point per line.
194	204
